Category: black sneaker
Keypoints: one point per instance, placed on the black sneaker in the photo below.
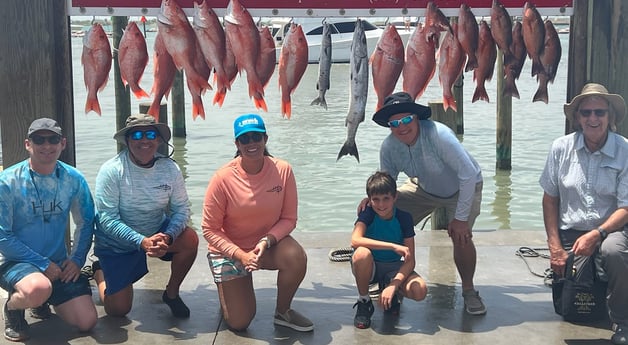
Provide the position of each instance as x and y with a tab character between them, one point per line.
178	308
395	305
15	326
42	312
88	271
363	315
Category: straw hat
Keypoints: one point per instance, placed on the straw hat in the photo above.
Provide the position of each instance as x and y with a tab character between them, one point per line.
400	102
592	89
142	120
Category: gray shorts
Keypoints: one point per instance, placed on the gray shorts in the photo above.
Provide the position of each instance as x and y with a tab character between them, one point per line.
419	203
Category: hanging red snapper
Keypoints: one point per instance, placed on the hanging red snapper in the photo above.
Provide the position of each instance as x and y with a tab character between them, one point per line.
292	65
420	64
211	39
533	36
241	31
386	63
450	66
468	35
550	59
163	75
513	69
267	58
96	60
180	42
487	54
132	59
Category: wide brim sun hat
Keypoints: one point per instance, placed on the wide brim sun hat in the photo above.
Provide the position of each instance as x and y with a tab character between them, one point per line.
142	120
400	102
592	89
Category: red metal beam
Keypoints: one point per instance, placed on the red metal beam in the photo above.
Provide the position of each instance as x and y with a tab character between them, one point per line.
316	8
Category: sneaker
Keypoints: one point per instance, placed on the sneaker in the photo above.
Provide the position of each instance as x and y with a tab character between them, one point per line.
178	308
363	315
621	335
473	302
15	326
395	305
294	320
42	312
88	271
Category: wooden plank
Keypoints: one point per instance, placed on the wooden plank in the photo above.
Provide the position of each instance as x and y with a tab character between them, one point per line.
35	78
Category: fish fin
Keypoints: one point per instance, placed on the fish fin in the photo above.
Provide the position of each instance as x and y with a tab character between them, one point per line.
472	64
286	108
197	108
537	67
349	148
219	97
449	102
93	105
140	93
479	94
541	94
320	101
259	102
153	110
510	88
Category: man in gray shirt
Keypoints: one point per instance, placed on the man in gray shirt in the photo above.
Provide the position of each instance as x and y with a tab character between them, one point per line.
441	174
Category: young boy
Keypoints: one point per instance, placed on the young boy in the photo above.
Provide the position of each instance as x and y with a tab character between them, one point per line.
383	242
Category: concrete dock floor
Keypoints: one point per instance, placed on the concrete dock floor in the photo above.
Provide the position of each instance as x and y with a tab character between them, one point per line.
519	305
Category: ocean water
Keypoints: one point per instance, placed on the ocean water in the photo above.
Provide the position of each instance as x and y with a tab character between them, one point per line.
329	190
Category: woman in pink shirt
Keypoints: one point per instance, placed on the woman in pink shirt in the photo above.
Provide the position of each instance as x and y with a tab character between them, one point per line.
249	211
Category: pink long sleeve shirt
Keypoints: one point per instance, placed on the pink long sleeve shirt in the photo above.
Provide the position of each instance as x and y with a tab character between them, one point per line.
239	208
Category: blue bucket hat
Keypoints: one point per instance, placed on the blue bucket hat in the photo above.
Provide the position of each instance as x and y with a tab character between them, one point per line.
248	123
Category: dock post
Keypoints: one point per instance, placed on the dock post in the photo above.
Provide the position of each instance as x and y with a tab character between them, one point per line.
178	106
163	118
122	93
503	127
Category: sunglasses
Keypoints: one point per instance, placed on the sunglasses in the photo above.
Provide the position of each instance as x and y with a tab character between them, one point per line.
405	120
597	112
40	140
150	134
256	137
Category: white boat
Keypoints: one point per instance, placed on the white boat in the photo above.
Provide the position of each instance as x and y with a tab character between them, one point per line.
341	37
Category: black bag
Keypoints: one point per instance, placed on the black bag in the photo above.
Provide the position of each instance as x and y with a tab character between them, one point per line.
580	296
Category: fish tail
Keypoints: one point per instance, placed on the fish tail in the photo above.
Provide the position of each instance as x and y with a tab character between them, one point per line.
153	110
219	96
510	88
349	148
92	105
197	108
320	100
541	93
260	103
286	108
140	93
449	102
480	93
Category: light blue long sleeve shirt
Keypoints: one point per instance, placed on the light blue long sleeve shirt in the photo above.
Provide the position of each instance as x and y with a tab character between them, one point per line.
35	210
133	202
437	159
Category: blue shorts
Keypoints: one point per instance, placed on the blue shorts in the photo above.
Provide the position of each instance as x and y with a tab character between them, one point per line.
123	269
12	272
225	269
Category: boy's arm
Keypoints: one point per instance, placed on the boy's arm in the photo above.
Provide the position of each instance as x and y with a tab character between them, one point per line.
407	267
359	240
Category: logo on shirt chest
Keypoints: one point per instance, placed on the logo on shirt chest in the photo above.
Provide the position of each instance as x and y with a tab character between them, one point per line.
275	189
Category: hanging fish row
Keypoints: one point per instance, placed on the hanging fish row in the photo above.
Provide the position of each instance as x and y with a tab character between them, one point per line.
197	49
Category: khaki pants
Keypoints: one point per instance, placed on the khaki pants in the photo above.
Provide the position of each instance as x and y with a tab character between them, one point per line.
419	203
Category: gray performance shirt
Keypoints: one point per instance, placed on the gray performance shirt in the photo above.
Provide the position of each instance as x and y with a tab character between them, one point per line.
439	162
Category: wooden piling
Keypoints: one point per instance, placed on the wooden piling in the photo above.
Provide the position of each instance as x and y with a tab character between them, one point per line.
503	127
178	106
122	93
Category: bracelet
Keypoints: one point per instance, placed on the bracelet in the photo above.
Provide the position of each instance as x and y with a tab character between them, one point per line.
265	239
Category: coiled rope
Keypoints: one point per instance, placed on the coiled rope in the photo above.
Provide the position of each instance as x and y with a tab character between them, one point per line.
340	254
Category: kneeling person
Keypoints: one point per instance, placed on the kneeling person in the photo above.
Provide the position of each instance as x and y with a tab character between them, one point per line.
383	242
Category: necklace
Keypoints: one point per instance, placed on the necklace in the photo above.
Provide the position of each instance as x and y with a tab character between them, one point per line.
54	204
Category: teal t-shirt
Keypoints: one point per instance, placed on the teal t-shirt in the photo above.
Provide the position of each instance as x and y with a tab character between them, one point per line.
393	230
